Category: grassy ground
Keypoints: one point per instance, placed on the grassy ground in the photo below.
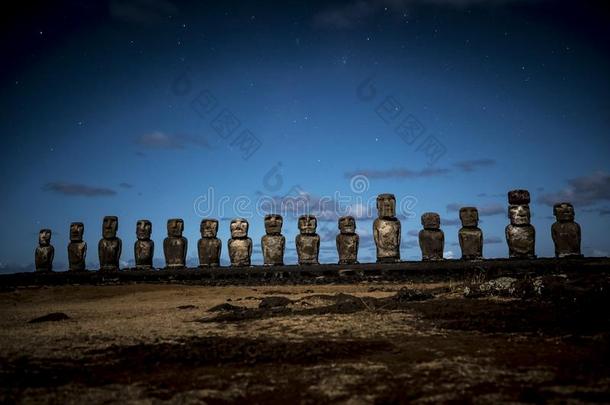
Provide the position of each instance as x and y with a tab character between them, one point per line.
504	340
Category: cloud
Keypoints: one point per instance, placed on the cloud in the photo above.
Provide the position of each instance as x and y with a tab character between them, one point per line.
398	173
582	191
601	211
491	240
346	15
161	140
409	244
327	209
450	222
126	185
141	11
354	13
75	189
472	165
484	211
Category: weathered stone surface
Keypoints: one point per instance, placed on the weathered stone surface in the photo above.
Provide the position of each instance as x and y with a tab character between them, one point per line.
308	241
431	238
520	234
209	246
347	241
470	236
565	232
175	245
144	247
43	256
110	246
77	248
240	245
386	230
273	243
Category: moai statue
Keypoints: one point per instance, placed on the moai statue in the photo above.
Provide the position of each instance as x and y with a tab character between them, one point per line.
386	230
77	248
273	242
308	241
470	236
431	238
520	234
144	248
209	245
347	241
175	245
109	248
240	245
43	257
565	232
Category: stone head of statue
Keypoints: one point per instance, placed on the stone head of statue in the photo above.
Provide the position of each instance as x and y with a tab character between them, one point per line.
518	197
431	220
564	212
239	228
44	237
469	216
143	229
519	214
347	224
308	224
77	229
110	226
175	227
273	224
208	228
386	205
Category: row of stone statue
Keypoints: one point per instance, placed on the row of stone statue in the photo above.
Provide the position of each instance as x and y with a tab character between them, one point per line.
520	236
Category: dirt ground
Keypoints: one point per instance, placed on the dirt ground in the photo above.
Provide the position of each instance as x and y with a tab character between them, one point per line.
539	340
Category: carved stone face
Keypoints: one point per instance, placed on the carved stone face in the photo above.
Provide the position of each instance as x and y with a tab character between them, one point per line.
273	224
77	229
469	216
308	224
175	226
110	227
431	220
347	225
44	237
143	229
386	205
519	214
239	228
208	228
564	212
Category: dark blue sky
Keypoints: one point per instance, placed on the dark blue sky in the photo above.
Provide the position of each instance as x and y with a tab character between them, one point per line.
138	108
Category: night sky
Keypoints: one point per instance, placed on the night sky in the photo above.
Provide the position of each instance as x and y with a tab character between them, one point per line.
156	109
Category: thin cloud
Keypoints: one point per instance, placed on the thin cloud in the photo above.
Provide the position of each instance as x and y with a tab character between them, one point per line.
491	240
126	185
484	211
398	173
450	222
472	165
141	11
75	189
582	191
601	211
161	140
345	16
354	13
